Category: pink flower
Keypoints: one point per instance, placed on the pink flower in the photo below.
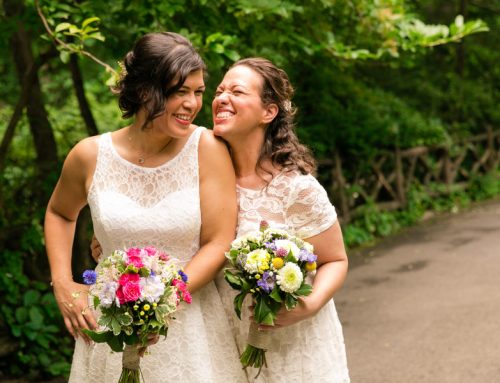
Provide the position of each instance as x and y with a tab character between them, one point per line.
135	260
128	278
164	256
187	297
131	292
150	250
134	252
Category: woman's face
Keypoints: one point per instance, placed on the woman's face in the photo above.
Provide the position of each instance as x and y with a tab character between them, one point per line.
237	108
182	106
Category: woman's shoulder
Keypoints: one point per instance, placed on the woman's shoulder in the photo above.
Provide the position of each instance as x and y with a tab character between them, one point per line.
210	143
85	151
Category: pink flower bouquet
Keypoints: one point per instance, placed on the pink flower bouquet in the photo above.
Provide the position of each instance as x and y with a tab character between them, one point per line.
136	291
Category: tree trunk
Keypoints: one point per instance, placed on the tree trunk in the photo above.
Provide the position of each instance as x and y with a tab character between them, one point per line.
41	130
85	110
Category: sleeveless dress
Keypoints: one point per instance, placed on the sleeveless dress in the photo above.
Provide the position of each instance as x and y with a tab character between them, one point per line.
313	350
137	206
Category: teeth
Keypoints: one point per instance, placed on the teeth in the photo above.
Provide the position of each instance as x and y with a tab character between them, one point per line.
182	117
225	115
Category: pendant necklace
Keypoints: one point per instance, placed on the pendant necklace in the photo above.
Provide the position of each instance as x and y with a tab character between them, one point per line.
142	159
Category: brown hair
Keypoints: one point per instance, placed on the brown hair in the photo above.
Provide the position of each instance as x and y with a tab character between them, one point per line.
281	144
150	69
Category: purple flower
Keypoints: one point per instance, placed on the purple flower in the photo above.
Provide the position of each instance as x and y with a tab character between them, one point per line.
267	281
89	277
270	246
306	256
183	276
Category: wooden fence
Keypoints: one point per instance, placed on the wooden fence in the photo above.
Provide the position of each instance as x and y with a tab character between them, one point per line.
386	178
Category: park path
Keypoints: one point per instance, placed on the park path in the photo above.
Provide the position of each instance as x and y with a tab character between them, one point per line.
424	306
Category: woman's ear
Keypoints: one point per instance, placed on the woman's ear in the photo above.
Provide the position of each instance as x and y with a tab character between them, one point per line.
270	113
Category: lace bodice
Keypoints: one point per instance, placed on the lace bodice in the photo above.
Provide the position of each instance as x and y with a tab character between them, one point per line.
138	206
291	201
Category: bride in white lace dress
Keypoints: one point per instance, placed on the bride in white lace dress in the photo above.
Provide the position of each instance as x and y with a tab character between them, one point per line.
160	181
252	111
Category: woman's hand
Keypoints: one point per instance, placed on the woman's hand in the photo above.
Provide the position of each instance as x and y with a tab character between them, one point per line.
306	308
72	299
95	248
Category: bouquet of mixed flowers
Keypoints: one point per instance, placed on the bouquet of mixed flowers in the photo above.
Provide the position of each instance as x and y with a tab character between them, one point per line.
270	265
137	291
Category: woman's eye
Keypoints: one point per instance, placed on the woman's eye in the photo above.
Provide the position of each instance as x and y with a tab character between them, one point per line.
199	92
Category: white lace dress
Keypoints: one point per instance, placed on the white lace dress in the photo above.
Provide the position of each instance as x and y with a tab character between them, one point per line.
137	206
313	350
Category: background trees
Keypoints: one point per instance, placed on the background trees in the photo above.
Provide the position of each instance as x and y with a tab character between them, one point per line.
370	75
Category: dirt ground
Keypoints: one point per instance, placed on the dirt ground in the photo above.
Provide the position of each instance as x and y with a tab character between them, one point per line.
424	306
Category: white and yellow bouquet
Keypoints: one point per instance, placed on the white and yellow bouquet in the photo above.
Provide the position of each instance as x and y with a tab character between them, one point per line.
270	265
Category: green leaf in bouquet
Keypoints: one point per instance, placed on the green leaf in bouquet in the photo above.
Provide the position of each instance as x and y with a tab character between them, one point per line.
97	301
233	280
263	312
99	337
115	326
131	269
144	272
131	339
238	302
305	289
116	343
129	330
124	319
105	320
290	301
275	294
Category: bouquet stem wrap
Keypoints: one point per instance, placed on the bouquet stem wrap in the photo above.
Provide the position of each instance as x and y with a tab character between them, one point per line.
258	339
131	370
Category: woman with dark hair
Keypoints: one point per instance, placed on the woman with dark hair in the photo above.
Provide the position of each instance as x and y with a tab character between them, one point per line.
253	113
162	182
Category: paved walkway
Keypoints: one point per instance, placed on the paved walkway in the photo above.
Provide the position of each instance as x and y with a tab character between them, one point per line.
424	306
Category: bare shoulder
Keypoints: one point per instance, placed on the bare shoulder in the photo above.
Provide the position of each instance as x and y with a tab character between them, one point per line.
212	148
82	157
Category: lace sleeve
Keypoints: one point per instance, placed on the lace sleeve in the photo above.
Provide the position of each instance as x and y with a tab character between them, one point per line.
309	211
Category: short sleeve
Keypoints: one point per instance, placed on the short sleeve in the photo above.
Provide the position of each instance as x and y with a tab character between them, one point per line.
309	211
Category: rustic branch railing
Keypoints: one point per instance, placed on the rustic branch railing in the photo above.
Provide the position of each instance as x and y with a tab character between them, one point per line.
386	179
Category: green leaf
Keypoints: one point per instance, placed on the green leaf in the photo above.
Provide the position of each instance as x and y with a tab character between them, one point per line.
36	316
31	297
233	280
305	289
21	314
263	313
238	302
124	319
290	301
89	21
115	326
64	56
275	294
62	27
99	337
116	343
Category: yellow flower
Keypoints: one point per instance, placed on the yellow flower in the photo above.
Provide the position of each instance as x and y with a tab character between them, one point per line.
154	305
146	307
141	313
311	266
136	307
278	263
257	276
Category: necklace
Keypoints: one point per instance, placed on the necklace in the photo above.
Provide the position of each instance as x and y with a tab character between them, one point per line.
142	158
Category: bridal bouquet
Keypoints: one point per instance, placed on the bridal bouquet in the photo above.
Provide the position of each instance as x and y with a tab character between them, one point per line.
271	266
137	291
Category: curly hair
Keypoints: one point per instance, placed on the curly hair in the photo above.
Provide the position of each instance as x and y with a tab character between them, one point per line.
154	69
281	144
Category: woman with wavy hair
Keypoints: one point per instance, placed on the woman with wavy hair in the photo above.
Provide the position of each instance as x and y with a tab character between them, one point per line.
160	181
253	113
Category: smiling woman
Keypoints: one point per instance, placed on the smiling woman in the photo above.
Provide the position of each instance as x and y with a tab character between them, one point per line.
161	182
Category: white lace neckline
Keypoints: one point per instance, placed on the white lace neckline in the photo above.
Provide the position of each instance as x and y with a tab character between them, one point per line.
258	192
148	168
